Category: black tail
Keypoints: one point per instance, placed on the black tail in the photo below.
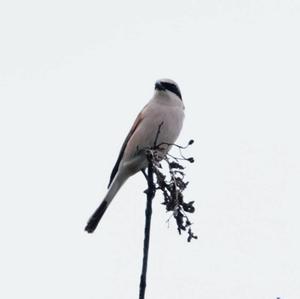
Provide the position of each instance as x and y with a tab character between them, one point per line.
96	217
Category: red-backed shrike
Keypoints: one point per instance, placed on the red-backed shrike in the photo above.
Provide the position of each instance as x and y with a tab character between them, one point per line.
164	110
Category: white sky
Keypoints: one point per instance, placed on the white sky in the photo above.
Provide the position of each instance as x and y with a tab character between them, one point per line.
73	76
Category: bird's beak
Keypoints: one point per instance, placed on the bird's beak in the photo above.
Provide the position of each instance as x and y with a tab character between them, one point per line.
159	86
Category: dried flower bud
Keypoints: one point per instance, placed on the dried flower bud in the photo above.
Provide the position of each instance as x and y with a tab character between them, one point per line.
191	160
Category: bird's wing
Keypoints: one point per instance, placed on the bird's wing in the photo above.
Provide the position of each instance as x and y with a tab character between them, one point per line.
132	130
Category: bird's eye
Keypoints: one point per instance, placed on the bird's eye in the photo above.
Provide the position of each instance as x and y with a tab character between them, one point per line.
172	87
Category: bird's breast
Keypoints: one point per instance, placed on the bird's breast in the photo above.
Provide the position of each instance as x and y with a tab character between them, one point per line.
159	122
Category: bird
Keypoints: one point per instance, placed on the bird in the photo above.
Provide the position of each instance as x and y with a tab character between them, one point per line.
160	122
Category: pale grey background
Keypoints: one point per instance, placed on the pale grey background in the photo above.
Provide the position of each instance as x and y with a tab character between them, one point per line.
74	74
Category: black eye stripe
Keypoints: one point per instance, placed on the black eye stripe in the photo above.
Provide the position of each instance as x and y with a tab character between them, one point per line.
172	87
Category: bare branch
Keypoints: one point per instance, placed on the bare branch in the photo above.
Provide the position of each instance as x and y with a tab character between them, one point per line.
148	213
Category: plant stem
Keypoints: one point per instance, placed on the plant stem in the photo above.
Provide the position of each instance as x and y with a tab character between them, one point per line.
148	213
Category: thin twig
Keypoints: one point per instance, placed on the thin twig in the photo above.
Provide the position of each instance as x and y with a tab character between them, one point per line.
157	134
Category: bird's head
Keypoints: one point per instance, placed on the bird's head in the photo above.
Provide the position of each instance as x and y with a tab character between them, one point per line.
168	86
